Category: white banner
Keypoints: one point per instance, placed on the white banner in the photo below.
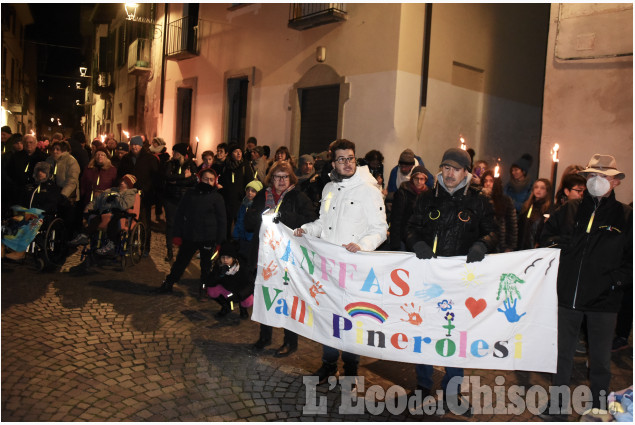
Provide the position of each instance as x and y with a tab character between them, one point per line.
500	313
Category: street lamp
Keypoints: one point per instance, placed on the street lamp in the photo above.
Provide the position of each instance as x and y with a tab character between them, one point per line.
131	13
131	10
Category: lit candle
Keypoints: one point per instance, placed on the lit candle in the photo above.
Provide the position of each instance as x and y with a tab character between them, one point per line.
126	134
463	146
103	138
554	153
497	168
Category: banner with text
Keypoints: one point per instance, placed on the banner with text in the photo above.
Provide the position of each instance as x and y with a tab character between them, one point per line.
500	313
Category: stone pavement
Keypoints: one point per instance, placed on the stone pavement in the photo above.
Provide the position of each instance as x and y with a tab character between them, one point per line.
102	347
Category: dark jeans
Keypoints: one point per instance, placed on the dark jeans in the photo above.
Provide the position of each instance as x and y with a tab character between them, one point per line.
424	377
290	338
183	258
625	316
600	327
331	355
170	215
144	213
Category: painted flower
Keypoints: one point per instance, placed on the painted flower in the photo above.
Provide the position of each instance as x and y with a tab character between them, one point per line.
445	305
449	316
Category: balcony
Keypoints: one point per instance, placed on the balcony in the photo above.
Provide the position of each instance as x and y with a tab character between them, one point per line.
182	42
139	56
303	16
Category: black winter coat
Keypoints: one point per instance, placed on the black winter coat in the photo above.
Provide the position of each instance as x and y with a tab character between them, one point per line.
234	179
458	220
176	184
200	215
145	169
295	210
46	196
240	284
594	266
402	207
21	166
530	228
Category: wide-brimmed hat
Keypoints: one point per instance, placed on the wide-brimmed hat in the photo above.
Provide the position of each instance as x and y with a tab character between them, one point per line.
603	164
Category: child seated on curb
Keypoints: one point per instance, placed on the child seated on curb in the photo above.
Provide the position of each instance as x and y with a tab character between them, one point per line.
230	283
239	233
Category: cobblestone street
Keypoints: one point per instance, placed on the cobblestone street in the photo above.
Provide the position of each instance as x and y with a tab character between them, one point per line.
102	347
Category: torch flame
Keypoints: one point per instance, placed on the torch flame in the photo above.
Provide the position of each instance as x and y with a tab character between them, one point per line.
554	152
463	146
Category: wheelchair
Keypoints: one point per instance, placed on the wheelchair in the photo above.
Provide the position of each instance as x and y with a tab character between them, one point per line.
48	248
130	242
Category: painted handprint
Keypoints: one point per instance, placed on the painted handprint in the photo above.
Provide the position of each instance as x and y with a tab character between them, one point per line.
429	291
271	240
510	311
315	290
269	271
414	317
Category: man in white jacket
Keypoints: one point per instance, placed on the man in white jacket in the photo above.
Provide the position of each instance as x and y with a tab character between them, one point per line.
352	215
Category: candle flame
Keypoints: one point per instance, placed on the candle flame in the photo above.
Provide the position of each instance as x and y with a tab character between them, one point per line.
197	139
103	137
496	171
554	152
463	146
126	133
32	133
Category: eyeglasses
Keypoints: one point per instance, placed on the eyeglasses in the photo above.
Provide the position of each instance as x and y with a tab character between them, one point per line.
285	177
577	190
343	160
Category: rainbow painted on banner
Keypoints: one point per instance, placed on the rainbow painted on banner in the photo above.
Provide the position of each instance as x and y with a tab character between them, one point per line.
368	310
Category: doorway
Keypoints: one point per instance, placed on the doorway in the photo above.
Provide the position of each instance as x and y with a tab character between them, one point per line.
237	89
319	108
183	114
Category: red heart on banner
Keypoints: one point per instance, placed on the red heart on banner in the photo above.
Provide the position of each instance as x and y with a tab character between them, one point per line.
476	307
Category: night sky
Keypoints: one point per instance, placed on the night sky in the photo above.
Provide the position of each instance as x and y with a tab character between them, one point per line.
57	67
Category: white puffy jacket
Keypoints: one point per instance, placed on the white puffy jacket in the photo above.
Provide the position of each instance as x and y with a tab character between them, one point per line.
352	211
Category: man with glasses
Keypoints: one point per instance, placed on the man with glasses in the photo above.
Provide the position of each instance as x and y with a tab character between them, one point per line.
352	215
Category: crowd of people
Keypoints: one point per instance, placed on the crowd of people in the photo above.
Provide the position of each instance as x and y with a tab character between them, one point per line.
215	208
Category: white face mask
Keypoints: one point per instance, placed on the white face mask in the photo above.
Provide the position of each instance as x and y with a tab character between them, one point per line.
598	186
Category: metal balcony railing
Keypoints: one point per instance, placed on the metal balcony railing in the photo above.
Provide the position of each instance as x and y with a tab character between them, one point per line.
139	56
303	16
183	38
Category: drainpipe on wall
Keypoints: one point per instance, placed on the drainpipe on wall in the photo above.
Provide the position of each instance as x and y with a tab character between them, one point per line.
425	62
165	34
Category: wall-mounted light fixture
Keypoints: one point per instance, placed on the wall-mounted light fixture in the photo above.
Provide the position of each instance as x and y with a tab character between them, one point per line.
131	13
131	10
320	54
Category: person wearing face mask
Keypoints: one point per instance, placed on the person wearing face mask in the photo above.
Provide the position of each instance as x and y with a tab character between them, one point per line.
595	235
